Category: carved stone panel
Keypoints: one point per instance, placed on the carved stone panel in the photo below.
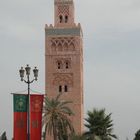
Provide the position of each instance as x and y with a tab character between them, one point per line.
64	10
63	44
62	79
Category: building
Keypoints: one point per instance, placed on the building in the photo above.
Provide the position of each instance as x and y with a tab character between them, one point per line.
64	59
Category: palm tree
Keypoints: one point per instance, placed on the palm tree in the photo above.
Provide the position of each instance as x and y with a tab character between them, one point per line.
99	125
78	137
3	136
56	118
137	135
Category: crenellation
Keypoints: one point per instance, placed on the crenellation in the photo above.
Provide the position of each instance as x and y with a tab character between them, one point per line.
63	1
63	27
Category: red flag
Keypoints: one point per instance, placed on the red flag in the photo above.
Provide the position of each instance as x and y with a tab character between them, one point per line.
36	104
20	117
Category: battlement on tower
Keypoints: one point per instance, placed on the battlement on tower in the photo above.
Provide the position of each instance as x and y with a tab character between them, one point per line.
75	30
63	1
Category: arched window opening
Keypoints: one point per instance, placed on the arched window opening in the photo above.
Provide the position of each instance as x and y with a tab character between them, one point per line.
67	65
60	18
60	88
59	65
66	88
66	19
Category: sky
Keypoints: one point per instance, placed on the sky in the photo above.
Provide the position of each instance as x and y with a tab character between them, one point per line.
111	31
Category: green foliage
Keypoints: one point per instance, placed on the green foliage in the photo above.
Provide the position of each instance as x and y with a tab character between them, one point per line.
137	135
99	125
3	136
78	137
55	118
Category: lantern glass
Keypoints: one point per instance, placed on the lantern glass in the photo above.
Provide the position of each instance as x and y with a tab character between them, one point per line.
21	72
35	71
28	69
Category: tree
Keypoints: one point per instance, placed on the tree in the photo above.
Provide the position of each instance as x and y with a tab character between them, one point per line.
78	137
56	118
99	125
3	136
137	135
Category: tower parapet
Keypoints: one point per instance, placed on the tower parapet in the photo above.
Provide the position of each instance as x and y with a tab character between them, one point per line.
73	30
63	1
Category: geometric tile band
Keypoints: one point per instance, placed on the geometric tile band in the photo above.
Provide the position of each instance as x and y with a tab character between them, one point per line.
71	31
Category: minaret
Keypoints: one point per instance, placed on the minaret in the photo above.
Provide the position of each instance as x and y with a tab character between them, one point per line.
64	60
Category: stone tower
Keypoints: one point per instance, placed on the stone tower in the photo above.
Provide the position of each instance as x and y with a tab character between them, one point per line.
64	60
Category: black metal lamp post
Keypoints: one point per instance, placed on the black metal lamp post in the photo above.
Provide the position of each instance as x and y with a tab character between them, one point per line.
28	81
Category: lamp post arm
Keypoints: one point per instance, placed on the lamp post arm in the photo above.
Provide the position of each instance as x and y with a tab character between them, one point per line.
29	82
32	81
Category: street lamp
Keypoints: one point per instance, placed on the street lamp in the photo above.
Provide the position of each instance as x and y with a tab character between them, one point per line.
28	81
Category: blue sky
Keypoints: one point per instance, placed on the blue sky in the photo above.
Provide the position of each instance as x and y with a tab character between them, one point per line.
111	55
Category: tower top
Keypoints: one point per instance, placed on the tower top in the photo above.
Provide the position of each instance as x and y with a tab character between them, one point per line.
64	13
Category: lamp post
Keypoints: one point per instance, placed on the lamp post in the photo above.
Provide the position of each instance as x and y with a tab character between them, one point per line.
28	81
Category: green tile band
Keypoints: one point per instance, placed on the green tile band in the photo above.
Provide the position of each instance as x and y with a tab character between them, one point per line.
70	31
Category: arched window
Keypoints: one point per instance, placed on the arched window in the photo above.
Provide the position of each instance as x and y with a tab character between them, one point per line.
66	88
60	88
60	18
59	64
67	64
66	19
